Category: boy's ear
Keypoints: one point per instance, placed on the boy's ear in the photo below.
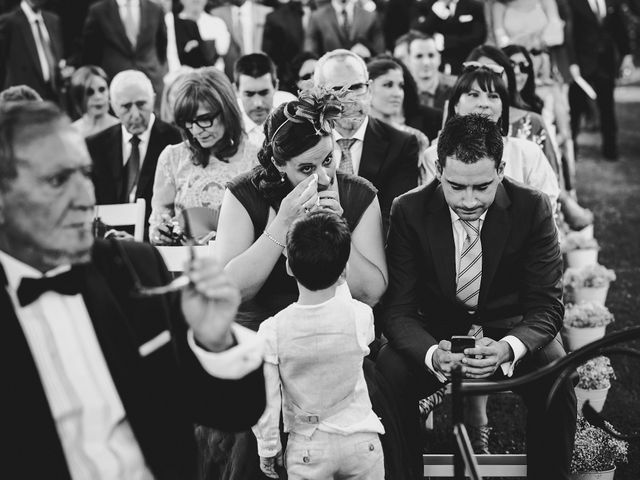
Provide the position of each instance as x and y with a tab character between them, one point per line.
343	275
289	272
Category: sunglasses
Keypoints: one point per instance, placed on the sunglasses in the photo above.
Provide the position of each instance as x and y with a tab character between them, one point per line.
522	67
203	121
473	66
306	76
353	89
91	91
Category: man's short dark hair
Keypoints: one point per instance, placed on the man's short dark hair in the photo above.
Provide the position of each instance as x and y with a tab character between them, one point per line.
318	247
411	36
18	119
254	65
19	93
470	138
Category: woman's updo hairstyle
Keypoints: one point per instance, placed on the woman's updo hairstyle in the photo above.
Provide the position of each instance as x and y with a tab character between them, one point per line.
291	129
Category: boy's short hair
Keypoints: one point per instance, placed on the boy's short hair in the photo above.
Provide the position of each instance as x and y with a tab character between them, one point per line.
318	247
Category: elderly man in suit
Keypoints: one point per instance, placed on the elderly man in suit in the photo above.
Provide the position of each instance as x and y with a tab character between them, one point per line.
474	250
31	49
365	146
345	24
126	34
125	155
109	382
601	44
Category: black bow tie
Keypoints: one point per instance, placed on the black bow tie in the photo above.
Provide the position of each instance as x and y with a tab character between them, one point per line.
67	283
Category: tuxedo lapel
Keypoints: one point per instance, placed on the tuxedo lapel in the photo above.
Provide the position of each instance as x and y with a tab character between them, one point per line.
374	150
440	234
494	235
144	24
114	158
147	172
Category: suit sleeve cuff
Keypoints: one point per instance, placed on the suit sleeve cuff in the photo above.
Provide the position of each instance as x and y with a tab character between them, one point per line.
234	363
519	350
428	361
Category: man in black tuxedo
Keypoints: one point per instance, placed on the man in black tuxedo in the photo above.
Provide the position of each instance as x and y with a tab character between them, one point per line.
125	155
600	41
460	22
475	250
126	34
31	49
368	147
82	349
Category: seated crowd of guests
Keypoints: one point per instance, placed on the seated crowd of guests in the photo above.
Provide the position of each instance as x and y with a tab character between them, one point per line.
339	183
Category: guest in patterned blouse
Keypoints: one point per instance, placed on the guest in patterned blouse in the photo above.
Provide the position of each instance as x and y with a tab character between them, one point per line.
215	150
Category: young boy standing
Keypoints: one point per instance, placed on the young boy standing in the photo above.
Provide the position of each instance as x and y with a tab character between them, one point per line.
313	365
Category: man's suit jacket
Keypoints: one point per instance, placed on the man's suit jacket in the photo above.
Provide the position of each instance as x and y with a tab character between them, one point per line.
462	32
521	271
325	34
283	38
598	46
258	18
108	165
19	62
106	43
389	161
163	393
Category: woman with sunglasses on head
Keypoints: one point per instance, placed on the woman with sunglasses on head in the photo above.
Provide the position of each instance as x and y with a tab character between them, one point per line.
89	93
194	173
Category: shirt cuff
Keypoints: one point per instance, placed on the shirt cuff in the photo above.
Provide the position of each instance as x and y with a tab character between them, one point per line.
428	361
519	350
234	363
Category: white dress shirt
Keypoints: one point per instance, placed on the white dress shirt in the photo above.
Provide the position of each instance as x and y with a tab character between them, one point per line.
356	148
32	18
599	7
339	5
142	148
96	437
519	349
123	9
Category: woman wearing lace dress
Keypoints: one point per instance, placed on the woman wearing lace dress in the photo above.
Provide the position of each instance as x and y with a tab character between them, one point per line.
195	172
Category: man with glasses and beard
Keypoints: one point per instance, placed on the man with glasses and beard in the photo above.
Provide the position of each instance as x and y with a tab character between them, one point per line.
365	146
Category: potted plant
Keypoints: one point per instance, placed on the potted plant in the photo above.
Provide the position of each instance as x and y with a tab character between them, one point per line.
596	453
584	323
595	380
590	283
580	250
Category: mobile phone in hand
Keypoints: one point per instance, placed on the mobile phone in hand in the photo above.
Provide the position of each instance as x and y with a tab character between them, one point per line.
460	342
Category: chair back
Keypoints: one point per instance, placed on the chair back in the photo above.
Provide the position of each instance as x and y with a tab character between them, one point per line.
124	214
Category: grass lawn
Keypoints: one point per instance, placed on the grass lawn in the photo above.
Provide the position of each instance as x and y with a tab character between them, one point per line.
612	191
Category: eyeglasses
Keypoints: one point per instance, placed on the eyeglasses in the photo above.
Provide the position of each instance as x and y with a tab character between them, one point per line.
473	66
353	89
521	66
203	121
91	91
306	76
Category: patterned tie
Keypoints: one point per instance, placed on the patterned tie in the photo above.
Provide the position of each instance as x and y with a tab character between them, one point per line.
132	168
130	27
470	274
346	163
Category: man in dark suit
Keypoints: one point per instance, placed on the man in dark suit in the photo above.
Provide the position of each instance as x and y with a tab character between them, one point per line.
477	251
126	34
82	349
368	147
599	41
125	155
348	26
31	49
461	24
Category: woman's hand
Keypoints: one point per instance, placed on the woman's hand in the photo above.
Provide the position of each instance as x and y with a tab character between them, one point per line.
328	200
299	201
166	232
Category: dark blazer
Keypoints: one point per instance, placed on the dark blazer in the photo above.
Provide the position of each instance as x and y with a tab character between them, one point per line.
389	161
163	393
325	34
186	31
426	119
106	44
521	270
19	63
462	32
598	46
108	165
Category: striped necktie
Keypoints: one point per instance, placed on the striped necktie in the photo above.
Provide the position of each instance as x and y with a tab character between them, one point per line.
470	273
346	162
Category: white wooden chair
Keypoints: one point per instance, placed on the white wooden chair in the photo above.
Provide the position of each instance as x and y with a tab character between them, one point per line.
124	214
175	257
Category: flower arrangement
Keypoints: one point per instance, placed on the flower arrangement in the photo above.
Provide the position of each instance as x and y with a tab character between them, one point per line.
596	374
590	276
576	241
587	315
595	450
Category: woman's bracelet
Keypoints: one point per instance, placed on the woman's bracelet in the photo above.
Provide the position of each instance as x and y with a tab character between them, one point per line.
272	238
